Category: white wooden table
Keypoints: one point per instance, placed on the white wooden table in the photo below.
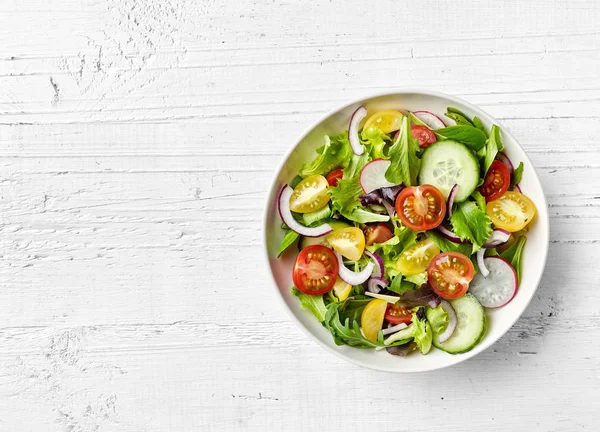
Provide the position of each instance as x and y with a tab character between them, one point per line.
137	142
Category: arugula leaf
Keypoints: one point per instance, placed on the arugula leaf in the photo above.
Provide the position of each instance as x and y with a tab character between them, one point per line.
469	222
352	307
479	199
405	163
288	239
375	140
479	125
400	286
343	333
468	135
514	253
494	145
314	304
334	154
446	245
517	175
458	116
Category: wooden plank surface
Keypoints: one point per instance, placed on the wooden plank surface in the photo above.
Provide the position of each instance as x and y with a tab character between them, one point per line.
138	141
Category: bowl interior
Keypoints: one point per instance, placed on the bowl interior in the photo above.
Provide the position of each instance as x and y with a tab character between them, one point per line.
499	320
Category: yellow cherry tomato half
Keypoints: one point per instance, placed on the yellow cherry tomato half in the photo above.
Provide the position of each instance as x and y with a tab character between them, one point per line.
341	289
415	259
387	121
310	195
511	212
371	319
349	242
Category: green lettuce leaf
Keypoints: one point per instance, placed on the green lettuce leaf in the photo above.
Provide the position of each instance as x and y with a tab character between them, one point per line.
479	124
438	319
446	245
334	154
317	217
469	222
352	307
344	196
391	249
517	175
468	135
405	162
418	279
314	304
347	331
479	199
400	286
494	145
458	116
375	140
288	239
422	331
514	253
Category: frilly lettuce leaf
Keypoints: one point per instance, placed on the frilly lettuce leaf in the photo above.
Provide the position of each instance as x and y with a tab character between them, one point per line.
469	222
405	162
335	153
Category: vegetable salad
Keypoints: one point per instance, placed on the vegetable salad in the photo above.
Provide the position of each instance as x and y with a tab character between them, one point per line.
406	230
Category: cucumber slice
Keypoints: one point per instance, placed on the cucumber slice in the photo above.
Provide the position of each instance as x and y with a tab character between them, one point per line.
447	163
309	241
470	329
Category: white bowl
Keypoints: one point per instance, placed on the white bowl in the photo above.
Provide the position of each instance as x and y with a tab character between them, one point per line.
499	320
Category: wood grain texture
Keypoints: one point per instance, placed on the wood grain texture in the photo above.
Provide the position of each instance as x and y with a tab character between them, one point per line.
138	141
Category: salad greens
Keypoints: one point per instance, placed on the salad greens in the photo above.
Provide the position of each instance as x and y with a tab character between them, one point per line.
404	158
378	230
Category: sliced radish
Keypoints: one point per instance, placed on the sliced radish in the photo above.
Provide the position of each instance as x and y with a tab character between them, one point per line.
451	196
375	284
481	264
506	161
452	321
499	287
450	235
497	238
378	270
372	176
353	278
288	219
357	116
430	119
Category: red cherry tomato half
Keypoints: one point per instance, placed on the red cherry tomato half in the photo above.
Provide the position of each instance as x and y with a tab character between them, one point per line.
334	176
315	270
497	181
378	233
424	135
449	274
421	208
397	314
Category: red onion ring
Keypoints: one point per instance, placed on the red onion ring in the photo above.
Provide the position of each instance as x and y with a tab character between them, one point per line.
287	218
451	196
357	116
